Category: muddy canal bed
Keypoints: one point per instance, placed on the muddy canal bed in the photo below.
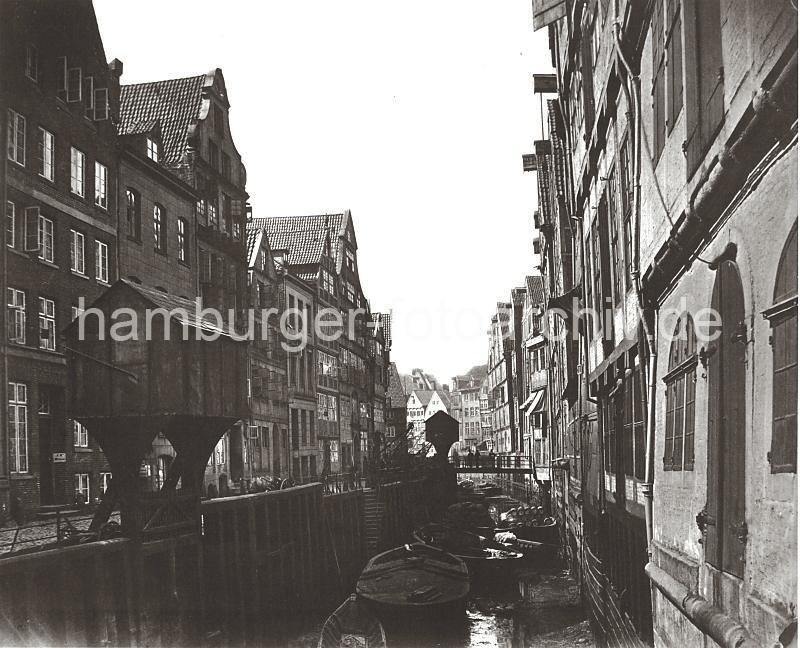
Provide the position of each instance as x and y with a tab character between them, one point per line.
541	609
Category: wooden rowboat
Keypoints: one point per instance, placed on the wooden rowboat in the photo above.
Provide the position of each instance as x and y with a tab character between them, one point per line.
474	550
352	625
412	578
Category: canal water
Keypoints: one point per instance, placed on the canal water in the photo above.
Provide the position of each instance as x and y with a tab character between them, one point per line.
535	607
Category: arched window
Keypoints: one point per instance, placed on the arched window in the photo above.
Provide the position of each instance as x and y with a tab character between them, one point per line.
133	213
680	387
783	320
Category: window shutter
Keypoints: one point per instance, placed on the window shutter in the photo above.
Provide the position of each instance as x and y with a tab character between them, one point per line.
88	96
101	104
74	84
31	229
61	72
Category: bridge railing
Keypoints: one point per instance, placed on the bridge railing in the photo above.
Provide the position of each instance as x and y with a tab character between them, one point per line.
500	462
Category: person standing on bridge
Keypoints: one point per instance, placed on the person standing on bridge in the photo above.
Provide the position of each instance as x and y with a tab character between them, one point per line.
491	458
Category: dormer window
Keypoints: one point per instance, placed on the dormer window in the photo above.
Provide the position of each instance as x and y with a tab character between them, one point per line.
152	149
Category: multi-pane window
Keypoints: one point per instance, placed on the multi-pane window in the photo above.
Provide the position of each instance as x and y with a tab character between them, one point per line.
783	320
351	260
82	488
18	427
11	224
159	240
16	316
45	154
182	246
77	261
133	213
46	230
16	137
77	173
47	324
212	213
32	62
680	385
80	435
45	404
105	482
328	284
152	149
674	52
101	261
101	185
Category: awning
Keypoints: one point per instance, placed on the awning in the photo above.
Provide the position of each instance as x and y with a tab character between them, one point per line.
537	403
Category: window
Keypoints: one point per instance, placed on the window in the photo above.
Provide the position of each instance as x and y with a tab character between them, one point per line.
11	224
226	213
16	137
133	213
16	316
783	320
213	155
158	228
18	427
77	171
100	185
46	239
101	261
212	213
351	260
613	228
74	84
105	482
680	395
625	200
47	324
32	62
327	282
659	63
76	252
88	97
45	405
76	312
100	104
80	435
705	108
152	149
226	166
674	54
45	153
81	488
182	246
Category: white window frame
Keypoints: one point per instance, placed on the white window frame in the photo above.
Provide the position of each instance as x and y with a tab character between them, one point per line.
101	185
46	230
76	311
80	435
16	137
152	149
11	224
16	315
18	427
158	228
77	172
77	252
182	247
105	482
101	261
47	320
47	154
82	487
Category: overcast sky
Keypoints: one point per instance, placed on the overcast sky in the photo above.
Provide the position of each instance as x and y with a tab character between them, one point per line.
414	115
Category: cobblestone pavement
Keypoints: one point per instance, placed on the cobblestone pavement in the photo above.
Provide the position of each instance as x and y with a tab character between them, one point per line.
39	533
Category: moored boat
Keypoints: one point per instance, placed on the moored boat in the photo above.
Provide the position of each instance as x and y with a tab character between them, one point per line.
352	625
476	551
414	578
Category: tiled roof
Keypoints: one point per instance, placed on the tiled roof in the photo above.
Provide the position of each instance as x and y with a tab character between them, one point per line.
535	286
174	104
424	395
252	239
303	236
397	395
308	276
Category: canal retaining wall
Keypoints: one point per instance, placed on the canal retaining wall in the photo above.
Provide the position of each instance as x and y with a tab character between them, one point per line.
255	560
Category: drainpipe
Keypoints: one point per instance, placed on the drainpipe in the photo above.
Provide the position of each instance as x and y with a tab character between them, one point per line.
706	617
635	110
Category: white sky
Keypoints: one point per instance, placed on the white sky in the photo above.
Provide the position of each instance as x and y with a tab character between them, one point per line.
414	115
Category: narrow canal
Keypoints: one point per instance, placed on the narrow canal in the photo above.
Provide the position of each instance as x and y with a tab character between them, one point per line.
535	607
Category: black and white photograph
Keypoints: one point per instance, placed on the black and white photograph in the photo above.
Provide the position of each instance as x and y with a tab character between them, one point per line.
371	324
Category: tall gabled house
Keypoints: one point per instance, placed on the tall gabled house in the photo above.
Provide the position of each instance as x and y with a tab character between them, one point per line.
58	180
